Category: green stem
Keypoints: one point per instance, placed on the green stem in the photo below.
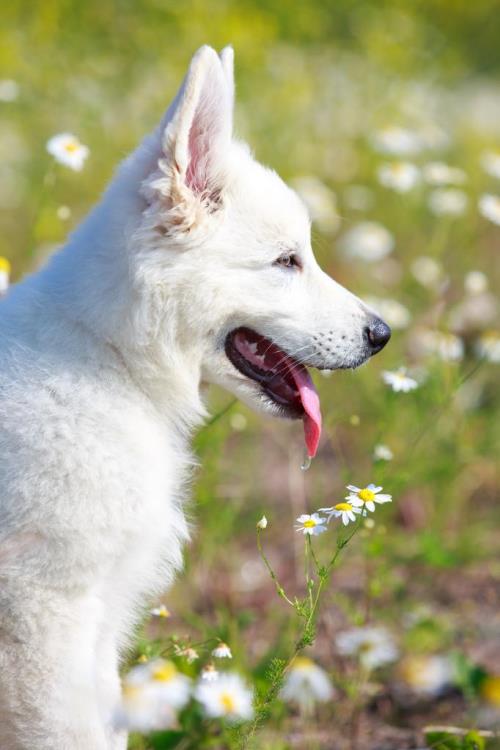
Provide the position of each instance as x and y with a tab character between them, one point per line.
279	587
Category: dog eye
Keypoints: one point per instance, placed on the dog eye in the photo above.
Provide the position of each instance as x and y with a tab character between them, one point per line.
288	260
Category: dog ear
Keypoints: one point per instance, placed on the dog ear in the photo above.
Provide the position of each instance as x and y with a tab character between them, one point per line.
198	126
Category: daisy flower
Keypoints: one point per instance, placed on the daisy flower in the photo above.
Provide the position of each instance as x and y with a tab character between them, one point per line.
397	141
68	150
4	275
368	241
374	646
426	675
262	524
346	511
9	90
490	162
141	710
188	653
160	611
228	697
400	176
489	207
438	173
475	282
209	673
488	346
382	452
398	380
366	497
222	651
311	524
427	271
306	684
447	346
490	689
448	202
152	694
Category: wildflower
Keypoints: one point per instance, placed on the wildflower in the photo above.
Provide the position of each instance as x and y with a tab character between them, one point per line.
238	422
427	675
346	511
367	241
398	380
262	524
4	275
188	653
490	162
447	202
9	90
321	202
488	346
68	150
152	693
490	689
397	315
397	141
475	282
438	173
222	651
311	524
366	497
374	646
400	176
227	697
489	207
209	673
63	213
141	710
427	271
170	683
447	346
382	452
306	684
160	611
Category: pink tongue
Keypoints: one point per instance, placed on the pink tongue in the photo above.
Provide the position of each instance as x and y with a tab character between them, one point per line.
310	402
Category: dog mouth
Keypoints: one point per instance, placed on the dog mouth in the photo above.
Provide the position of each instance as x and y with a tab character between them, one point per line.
281	378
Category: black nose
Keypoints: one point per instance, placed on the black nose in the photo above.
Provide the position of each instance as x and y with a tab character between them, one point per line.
378	334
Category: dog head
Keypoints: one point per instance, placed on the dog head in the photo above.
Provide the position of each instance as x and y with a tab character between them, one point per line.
230	246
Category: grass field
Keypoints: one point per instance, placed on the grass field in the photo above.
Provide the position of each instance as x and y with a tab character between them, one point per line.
386	118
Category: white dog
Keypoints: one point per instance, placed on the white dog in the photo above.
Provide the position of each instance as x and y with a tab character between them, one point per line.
196	267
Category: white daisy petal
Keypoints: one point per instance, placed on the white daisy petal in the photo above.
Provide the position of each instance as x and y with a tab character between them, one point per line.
383	498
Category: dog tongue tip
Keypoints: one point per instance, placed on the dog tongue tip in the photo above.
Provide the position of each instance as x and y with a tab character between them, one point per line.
312	417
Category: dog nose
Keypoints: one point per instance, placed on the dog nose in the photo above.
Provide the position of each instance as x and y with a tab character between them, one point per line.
378	334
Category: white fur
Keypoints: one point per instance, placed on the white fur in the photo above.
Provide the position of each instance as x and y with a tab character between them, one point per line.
102	358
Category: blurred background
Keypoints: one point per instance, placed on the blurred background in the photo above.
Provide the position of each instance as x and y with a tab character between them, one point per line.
385	116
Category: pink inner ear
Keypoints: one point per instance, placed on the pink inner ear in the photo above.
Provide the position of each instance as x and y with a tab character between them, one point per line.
209	130
196	175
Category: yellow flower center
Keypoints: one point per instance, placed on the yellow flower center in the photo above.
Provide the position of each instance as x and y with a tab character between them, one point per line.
4	265
366	495
343	506
490	690
302	662
228	703
310	523
71	147
164	672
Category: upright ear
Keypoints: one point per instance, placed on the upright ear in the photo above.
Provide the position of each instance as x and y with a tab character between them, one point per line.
197	129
